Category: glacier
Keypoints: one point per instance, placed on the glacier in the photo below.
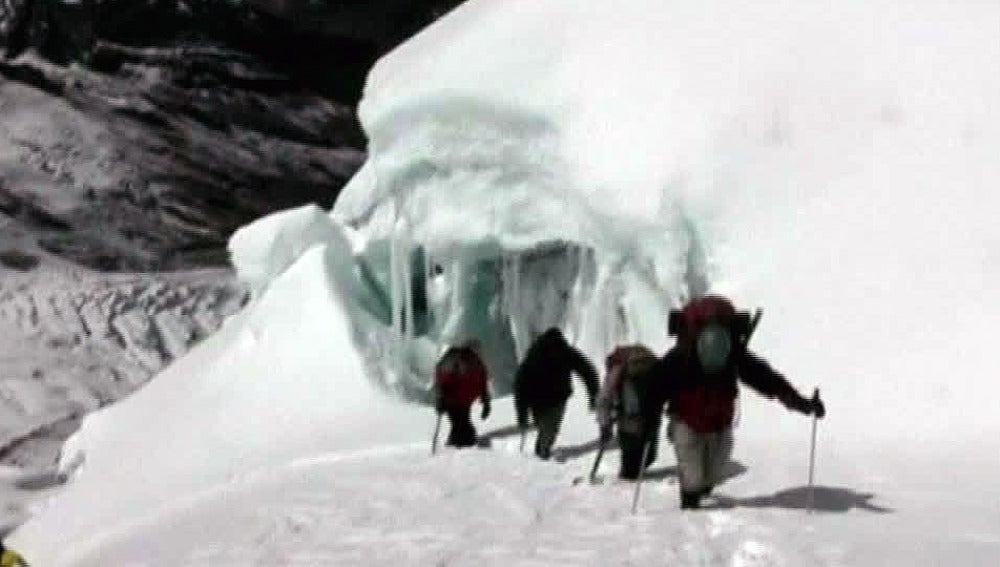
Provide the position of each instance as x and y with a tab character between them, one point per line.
549	163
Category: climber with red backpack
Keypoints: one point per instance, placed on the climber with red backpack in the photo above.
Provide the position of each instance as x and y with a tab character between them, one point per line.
619	402
698	379
460	378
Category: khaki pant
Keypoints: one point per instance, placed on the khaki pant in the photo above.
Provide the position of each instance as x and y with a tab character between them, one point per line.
701	457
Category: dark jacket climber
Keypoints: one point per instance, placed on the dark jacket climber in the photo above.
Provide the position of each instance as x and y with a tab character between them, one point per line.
460	378
698	379
542	386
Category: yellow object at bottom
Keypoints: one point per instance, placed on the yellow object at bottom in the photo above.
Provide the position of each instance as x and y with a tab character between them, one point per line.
12	559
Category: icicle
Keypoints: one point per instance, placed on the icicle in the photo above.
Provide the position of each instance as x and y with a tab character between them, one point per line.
622	336
407	272
606	294
585	311
612	336
428	280
450	330
591	323
570	317
585	284
609	300
605	332
584	292
396	318
502	294
515	305
428	269
396	279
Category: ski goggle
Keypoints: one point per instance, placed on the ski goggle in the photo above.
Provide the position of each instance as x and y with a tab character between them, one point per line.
714	346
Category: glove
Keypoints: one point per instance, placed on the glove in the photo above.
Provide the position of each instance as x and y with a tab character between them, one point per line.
808	406
795	402
486	411
817	408
439	405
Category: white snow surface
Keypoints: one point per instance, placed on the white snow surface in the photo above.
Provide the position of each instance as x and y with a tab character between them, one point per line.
266	248
833	163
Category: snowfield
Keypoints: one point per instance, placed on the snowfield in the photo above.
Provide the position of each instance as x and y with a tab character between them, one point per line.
547	163
392	504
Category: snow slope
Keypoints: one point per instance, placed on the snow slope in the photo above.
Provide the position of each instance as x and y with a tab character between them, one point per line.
832	163
268	409
500	508
388	505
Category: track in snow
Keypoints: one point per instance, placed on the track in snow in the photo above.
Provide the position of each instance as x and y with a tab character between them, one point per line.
460	508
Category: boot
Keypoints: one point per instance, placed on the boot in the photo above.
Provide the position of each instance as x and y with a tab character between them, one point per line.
628	474
690	500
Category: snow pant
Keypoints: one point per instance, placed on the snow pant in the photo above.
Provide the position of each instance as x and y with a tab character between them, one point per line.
463	433
701	460
548	420
633	433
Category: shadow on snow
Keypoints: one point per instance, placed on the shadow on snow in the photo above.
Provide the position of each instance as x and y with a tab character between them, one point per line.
824	499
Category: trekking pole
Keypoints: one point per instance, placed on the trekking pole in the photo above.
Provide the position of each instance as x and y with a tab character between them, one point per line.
812	456
437	430
642	471
597	459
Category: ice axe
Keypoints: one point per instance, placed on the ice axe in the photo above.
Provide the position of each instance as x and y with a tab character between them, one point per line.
812	455
437	430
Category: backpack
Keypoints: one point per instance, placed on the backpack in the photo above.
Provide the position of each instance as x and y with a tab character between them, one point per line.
460	377
451	364
636	360
687	322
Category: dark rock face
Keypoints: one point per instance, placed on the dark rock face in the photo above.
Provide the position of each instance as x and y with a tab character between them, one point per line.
327	45
61	31
136	135
152	167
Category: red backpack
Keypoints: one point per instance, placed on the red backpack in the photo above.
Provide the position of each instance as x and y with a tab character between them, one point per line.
460	377
687	322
